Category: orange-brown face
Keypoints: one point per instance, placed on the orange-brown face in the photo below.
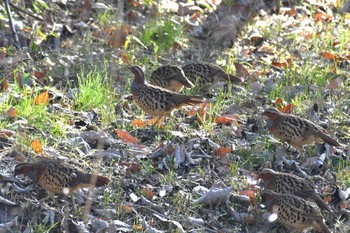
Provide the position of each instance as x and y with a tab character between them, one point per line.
22	169
138	73
266	174
271	113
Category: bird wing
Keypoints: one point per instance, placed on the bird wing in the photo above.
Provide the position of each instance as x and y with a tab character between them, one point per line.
303	207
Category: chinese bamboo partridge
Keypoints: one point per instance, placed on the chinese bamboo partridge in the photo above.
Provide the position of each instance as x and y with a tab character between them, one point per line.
294	212
280	182
157	101
171	78
204	75
56	177
295	130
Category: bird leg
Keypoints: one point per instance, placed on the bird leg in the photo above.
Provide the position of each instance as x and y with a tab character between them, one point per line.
159	122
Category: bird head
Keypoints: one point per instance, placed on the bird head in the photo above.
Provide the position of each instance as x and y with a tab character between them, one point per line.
272	113
267	175
268	197
138	73
26	169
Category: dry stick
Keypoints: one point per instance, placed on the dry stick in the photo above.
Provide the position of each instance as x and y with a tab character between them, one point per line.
14	34
26	12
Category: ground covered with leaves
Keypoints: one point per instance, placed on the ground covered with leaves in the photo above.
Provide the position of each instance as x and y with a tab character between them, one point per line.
65	94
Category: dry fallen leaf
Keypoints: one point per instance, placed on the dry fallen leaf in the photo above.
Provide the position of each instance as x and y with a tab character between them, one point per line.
36	146
226	119
287	109
4	85
222	151
131	167
241	71
125	136
138	123
127	208
329	55
43	98
148	193
12	112
250	194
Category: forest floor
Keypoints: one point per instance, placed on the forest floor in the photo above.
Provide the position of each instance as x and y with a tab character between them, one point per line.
65	94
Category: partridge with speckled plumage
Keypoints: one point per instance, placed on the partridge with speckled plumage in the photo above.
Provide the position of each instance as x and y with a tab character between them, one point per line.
294	212
57	177
204	75
295	130
157	101
170	77
281	182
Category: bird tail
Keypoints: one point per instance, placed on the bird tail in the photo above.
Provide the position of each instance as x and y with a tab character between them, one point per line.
95	180
328	139
193	100
234	79
187	83
102	181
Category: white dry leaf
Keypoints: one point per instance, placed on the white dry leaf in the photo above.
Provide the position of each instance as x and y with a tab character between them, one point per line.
92	137
188	157
134	197
80	226
176	223
99	225
162	193
179	156
106	154
330	177
119	226
6	201
18	189
148	228
153	206
165	189
100	6
200	190
342	194
196	221
215	196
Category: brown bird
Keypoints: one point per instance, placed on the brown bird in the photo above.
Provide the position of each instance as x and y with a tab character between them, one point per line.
294	130
56	177
157	101
204	75
293	211
171	78
280	182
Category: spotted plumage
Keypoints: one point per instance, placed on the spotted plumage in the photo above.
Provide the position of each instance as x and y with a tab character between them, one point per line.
56	177
294	212
204	75
157	101
170	77
295	130
288	183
